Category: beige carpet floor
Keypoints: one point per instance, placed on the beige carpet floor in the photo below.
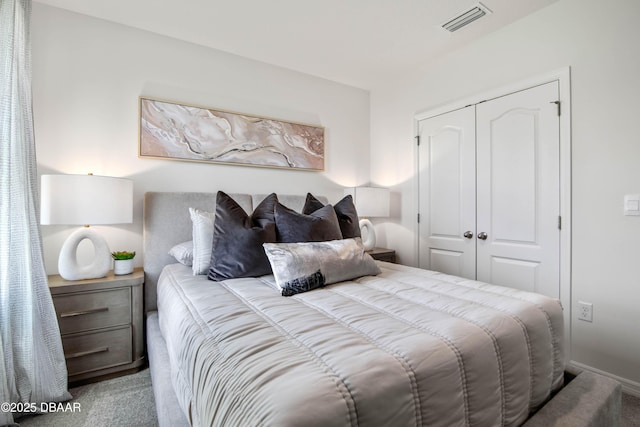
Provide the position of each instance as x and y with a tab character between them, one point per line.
128	401
630	411
123	401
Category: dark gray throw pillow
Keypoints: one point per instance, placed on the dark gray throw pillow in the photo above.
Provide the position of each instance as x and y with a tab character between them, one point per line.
319	226
238	237
345	211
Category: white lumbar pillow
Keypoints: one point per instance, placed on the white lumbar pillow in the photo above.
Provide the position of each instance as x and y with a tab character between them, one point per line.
202	234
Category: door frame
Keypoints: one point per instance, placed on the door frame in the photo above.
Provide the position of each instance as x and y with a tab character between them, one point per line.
563	77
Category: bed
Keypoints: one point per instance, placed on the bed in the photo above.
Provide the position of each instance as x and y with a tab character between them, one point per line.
401	347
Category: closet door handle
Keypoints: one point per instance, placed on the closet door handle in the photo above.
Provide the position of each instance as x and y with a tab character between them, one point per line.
482	236
468	234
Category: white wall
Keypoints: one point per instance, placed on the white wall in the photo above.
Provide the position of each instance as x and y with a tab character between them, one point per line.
599	40
89	73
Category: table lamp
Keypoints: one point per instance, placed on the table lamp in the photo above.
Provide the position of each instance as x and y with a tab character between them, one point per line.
85	200
370	202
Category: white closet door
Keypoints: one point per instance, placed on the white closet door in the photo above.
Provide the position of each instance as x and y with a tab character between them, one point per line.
518	172
446	162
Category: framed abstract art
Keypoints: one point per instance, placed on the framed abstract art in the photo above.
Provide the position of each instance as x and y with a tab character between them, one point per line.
169	130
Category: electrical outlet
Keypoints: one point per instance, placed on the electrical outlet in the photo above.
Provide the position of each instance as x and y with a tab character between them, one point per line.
585	311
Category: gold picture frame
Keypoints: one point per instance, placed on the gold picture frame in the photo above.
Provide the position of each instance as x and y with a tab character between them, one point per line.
175	131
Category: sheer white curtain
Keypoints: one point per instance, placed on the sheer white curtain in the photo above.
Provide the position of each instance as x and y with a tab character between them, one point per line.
32	366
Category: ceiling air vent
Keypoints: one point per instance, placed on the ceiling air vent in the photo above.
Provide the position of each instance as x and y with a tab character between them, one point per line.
466	18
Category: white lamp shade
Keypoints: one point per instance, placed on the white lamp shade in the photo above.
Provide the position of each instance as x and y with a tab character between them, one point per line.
371	201
85	200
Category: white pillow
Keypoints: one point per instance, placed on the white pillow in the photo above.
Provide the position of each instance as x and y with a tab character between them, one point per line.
183	252
202	222
335	260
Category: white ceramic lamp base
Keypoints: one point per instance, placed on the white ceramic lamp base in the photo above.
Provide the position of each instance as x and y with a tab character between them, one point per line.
68	265
368	234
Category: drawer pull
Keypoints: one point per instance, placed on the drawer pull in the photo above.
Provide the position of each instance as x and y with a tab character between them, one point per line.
81	313
86	353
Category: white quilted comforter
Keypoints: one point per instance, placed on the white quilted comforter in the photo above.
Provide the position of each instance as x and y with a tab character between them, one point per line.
408	347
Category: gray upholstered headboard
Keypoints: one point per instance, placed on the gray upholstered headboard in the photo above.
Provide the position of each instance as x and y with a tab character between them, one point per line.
167	223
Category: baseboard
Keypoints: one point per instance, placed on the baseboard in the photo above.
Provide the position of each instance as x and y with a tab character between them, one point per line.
628	386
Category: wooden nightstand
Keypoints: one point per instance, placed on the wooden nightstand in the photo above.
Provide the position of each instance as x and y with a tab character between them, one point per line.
383	254
101	324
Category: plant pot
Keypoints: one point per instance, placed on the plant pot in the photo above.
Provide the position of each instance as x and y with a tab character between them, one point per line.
122	266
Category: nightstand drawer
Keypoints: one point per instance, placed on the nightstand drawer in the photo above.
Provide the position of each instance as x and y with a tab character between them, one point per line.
97	350
93	310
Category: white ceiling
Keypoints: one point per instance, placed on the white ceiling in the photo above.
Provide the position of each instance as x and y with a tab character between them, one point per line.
356	42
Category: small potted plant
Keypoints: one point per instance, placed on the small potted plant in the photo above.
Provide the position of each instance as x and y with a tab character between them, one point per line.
123	262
